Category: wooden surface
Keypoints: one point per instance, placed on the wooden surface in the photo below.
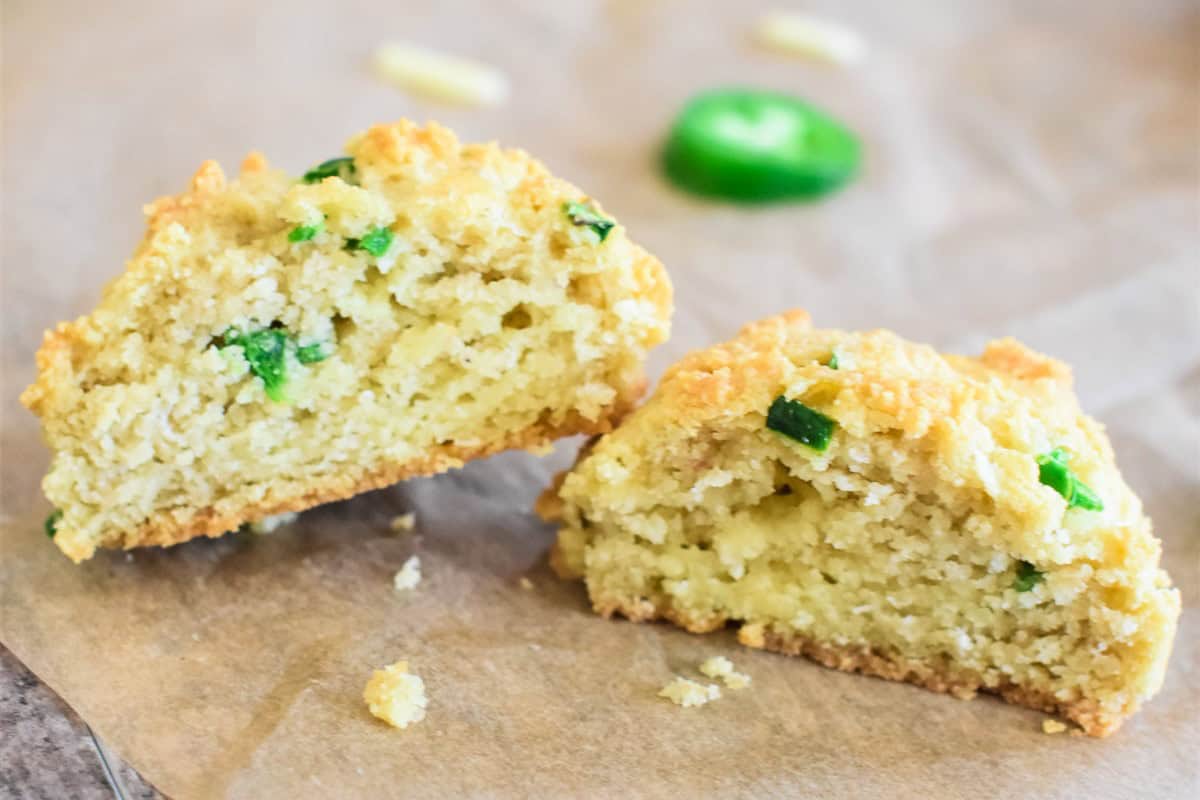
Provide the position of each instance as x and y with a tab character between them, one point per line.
1031	170
47	752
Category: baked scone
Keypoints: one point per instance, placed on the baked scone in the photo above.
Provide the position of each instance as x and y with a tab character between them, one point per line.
953	522
277	343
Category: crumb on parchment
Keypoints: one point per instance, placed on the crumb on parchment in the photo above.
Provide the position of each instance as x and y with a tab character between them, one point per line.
403	522
722	668
526	584
409	575
1052	726
396	696
687	693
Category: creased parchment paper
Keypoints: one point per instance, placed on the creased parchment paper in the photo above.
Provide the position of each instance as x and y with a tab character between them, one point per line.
1032	170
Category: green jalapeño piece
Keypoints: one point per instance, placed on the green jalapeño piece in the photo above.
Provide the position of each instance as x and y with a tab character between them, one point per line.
312	353
341	167
797	421
583	214
1054	472
266	352
304	233
50	526
753	146
1028	576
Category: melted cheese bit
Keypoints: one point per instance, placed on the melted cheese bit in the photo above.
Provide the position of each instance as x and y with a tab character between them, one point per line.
441	76
800	34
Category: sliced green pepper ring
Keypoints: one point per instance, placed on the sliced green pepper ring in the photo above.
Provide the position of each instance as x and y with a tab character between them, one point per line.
755	146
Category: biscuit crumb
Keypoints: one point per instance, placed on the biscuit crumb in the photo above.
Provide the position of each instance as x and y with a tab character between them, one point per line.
527	584
403	522
687	693
409	575
722	668
1052	726
396	696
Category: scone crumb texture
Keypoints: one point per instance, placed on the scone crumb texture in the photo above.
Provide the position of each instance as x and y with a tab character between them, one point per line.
687	693
722	668
396	696
409	575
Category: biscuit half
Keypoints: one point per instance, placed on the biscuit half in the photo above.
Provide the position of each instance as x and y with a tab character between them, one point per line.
874	505
276	342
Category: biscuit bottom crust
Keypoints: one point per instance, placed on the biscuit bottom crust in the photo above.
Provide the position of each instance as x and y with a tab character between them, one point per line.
165	530
937	677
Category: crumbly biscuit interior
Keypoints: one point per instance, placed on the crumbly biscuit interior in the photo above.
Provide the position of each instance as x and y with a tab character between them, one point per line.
489	313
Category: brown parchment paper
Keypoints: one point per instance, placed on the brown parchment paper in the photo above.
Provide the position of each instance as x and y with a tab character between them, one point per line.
1031	170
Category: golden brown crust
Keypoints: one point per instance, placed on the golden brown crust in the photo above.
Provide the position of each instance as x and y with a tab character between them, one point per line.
167	531
940	677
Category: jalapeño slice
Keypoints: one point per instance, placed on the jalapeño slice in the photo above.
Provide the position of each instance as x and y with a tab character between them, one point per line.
755	146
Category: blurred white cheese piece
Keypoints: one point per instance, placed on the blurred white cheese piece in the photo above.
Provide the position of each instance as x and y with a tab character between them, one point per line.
800	34
409	575
441	76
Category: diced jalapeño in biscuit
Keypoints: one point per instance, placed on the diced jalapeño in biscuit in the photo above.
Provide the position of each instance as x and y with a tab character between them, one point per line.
303	233
266	353
832	363
341	167
1028	576
797	421
376	241
583	214
1054	472
312	353
51	523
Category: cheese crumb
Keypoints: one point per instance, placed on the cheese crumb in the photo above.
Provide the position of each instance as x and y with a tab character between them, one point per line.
800	34
1052	726
441	76
272	523
403	522
396	696
409	575
526	584
721	667
687	693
